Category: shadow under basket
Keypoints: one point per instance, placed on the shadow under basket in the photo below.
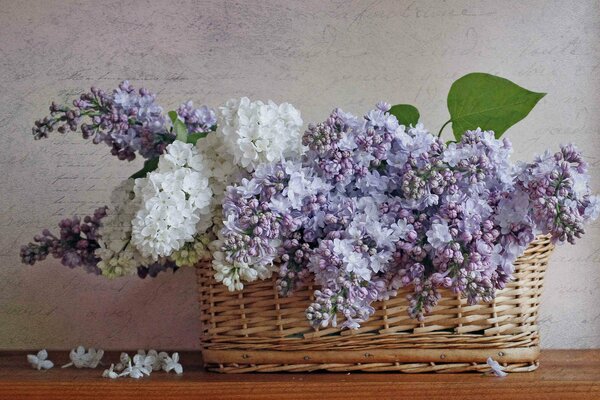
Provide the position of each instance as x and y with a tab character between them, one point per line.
256	330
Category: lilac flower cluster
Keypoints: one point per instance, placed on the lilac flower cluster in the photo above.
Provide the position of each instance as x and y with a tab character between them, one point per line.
128	121
374	206
362	206
75	245
131	123
558	191
197	120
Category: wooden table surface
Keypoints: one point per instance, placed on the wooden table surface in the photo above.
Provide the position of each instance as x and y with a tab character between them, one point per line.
563	374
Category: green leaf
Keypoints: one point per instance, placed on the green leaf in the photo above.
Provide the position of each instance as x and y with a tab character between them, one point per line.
406	114
194	137
488	102
179	127
181	131
149	166
173	116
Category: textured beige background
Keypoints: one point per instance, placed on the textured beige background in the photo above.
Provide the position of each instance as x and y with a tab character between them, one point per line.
315	54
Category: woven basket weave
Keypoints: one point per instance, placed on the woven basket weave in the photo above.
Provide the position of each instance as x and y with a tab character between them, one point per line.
256	330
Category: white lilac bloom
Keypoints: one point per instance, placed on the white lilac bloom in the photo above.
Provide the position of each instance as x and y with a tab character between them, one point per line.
174	200
379	117
145	360
110	372
257	132
220	166
171	363
496	368
545	164
154	357
124	360
95	356
179	155
40	360
499	152
80	358
142	365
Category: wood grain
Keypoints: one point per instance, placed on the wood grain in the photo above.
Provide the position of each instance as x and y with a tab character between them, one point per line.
563	374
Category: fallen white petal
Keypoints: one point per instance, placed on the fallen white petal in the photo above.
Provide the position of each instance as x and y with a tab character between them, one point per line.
39	361
42	354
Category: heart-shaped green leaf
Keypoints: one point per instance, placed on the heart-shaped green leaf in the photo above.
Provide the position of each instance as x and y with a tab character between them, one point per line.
488	102
406	114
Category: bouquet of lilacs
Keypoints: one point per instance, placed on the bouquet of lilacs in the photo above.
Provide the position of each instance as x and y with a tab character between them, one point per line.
375	206
166	215
358	206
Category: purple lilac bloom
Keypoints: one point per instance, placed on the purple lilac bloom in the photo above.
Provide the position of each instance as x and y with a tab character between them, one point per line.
129	121
374	207
197	120
558	190
74	246
251	226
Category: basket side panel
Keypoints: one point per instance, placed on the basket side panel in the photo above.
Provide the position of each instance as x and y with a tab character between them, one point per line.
258	319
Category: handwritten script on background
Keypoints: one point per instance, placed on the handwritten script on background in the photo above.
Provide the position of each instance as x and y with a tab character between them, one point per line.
316	55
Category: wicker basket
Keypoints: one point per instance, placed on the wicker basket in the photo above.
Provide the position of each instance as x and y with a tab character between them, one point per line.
256	330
